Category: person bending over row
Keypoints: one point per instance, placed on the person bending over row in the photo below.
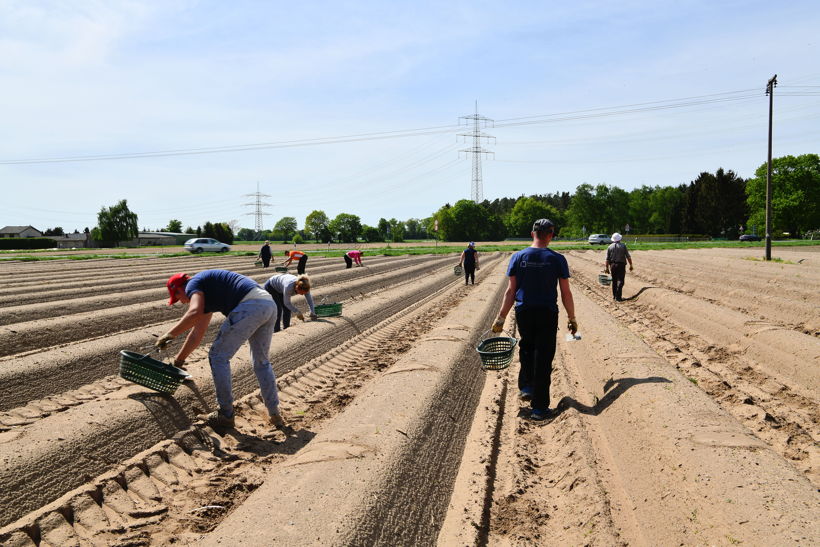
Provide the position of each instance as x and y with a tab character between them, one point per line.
353	256
249	316
282	287
300	257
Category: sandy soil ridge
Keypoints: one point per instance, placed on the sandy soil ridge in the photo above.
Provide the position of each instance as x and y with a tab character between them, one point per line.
639	455
129	422
381	464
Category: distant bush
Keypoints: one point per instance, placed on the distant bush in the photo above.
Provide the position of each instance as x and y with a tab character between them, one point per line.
27	243
297	239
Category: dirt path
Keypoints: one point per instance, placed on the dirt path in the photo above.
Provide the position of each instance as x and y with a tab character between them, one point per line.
639	455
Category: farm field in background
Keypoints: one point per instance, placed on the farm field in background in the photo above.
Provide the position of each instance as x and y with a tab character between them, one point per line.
688	414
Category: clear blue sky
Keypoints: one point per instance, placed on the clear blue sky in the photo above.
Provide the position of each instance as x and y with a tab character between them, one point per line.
100	78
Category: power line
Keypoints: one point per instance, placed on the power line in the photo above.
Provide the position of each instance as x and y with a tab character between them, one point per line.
685	102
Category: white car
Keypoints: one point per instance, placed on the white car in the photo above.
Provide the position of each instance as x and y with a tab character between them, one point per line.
602	239
202	244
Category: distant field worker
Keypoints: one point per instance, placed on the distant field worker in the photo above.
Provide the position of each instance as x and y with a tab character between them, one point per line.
469	259
282	287
617	256
250	314
533	274
300	257
265	254
353	256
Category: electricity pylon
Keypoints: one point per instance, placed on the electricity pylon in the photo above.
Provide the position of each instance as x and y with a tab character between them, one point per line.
477	193
257	203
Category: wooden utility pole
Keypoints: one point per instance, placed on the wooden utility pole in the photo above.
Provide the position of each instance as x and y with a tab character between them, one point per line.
770	92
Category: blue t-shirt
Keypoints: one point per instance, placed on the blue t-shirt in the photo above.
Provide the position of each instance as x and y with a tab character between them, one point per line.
223	290
469	256
537	272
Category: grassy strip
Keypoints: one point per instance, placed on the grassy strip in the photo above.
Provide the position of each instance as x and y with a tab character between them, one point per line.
425	248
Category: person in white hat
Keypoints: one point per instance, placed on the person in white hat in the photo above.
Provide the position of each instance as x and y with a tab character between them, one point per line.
617	256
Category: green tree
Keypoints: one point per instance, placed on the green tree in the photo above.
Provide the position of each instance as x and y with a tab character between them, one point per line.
469	221
371	234
795	195
525	212
396	230
346	227
718	203
640	209
174	226
665	211
415	229
384	228
316	224
222	232
287	227
115	224
246	234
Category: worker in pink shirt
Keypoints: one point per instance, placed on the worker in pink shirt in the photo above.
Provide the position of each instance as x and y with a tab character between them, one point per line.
353	256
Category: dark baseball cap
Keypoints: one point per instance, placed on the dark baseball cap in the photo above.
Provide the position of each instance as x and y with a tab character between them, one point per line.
543	225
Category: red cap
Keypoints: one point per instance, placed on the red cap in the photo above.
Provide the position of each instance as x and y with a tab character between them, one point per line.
175	282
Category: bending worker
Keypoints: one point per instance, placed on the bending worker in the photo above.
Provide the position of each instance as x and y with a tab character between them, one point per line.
250	314
300	257
533	275
353	256
469	258
617	256
284	286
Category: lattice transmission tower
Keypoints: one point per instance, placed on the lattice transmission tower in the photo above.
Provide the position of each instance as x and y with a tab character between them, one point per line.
477	122
257	204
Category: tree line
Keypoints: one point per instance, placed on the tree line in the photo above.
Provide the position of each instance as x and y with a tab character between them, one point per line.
720	204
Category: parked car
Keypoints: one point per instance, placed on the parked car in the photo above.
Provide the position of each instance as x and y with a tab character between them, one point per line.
602	239
749	237
202	244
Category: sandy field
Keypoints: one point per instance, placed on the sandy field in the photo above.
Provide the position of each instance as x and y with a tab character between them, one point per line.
687	414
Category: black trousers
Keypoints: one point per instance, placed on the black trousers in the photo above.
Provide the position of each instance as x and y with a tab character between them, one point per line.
618	275
265	261
469	273
282	313
300	268
348	261
538	329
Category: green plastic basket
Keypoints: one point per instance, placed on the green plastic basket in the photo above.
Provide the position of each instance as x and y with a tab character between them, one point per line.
457	270
149	372
329	310
281	269
604	279
497	352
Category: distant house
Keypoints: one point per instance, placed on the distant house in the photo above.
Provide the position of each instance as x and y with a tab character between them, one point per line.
20	231
79	240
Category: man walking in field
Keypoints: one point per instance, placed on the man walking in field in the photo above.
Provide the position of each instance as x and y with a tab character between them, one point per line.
298	256
534	273
250	314
617	256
